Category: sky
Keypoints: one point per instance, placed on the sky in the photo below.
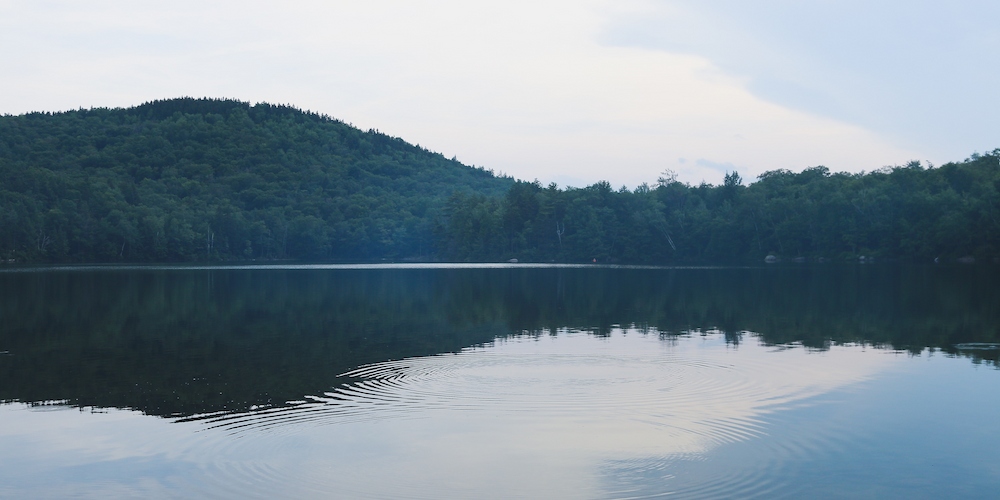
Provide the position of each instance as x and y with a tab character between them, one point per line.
562	91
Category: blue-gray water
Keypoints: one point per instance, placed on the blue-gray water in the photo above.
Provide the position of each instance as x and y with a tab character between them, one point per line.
500	382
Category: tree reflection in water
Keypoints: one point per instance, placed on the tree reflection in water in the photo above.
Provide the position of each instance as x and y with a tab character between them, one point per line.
186	342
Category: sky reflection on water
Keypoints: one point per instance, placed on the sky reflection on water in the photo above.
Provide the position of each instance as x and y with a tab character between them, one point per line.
565	416
500	381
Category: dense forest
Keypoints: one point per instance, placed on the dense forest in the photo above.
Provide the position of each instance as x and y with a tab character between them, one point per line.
202	179
906	212
209	180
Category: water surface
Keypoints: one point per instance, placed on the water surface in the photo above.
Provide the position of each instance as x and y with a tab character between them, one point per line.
499	381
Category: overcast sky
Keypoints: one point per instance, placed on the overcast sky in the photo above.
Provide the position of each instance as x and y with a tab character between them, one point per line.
565	91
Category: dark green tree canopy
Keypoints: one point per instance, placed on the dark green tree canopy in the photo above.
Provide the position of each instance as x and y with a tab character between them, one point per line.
208	179
905	212
216	179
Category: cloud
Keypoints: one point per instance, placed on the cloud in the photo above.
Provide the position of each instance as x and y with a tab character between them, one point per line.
921	74
533	89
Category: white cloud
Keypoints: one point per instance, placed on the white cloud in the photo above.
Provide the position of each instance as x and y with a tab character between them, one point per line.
920	74
527	88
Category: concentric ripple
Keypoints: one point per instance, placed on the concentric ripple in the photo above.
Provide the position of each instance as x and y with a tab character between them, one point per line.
571	401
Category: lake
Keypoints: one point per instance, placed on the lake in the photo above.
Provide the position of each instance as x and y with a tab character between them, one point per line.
500	381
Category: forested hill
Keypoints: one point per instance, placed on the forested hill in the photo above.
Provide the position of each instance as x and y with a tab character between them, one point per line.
206	179
210	180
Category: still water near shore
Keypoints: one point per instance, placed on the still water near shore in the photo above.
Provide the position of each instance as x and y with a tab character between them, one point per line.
500	381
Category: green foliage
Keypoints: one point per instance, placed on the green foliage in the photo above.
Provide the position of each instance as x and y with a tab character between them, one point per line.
202	179
903	212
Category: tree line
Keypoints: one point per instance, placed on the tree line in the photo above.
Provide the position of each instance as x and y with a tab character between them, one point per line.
911	212
216	179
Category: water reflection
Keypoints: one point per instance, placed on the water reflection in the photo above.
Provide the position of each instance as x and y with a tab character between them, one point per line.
690	390
569	399
573	415
500	382
185	342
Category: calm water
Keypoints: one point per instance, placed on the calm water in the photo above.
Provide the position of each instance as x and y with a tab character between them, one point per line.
500	382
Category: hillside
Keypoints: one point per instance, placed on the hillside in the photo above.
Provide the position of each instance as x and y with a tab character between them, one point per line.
204	179
208	180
